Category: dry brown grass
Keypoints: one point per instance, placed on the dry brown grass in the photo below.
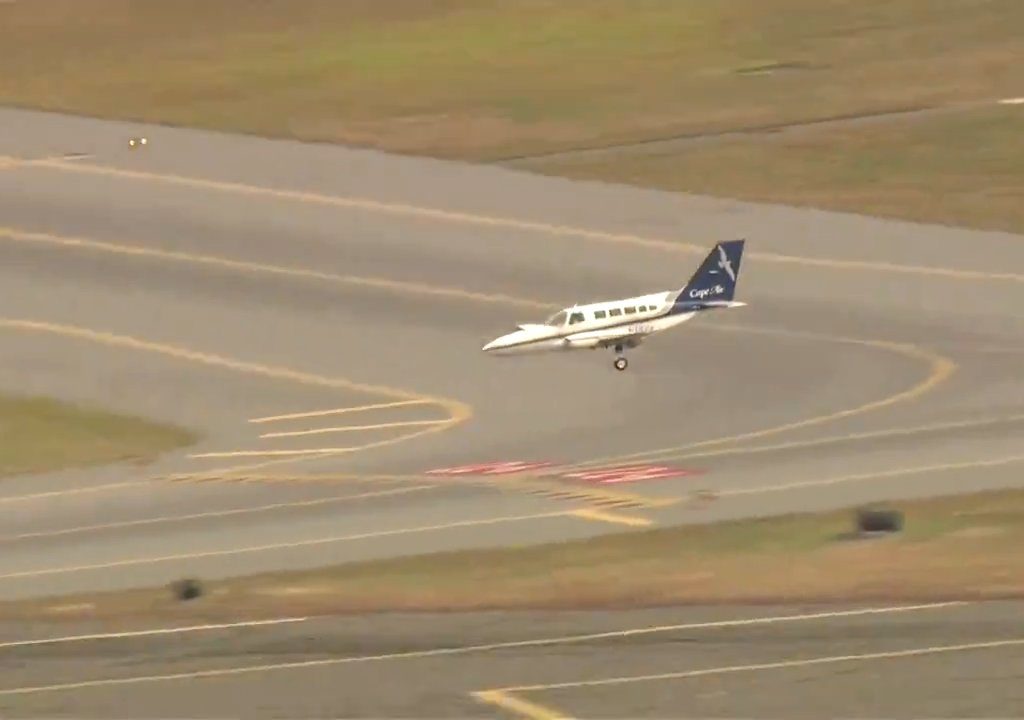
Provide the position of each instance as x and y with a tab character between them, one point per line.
962	168
958	547
492	80
42	435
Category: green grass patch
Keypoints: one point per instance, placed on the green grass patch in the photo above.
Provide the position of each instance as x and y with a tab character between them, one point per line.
485	79
964	547
963	168
41	435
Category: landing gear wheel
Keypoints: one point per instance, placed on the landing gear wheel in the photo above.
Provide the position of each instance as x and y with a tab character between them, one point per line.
620	363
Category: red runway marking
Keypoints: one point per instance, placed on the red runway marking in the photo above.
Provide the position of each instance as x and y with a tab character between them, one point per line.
627	473
494	468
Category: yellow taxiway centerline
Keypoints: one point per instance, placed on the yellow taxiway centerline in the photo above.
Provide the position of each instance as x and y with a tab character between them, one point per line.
336	411
458	412
941	368
612	517
352	428
480	220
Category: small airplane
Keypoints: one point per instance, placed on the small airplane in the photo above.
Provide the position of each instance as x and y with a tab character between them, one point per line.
625	323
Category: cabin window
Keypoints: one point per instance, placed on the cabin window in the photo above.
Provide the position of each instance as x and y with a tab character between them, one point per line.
614	311
575	318
599	314
630	310
557	319
642	308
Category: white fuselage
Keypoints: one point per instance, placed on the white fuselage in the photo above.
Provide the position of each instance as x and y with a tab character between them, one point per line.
602	324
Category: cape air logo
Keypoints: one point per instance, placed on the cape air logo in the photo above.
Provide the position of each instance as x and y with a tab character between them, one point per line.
725	264
701	293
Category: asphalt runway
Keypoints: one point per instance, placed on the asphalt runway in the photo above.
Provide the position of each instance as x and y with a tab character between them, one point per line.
962	660
286	298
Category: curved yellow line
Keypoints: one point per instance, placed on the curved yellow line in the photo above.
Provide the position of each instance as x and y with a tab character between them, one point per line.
941	368
458	411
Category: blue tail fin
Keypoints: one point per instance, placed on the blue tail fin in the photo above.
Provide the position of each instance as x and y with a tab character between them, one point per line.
715	279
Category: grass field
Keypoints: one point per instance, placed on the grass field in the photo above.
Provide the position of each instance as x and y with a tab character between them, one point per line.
491	80
961	168
485	79
962	547
41	435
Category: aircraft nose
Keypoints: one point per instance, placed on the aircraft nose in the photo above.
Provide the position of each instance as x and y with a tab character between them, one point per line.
498	343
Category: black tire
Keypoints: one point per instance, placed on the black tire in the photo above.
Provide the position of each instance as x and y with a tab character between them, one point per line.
187	589
876	520
621	363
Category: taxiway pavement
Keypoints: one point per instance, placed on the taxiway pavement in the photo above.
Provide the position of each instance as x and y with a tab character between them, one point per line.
944	660
233	283
284	298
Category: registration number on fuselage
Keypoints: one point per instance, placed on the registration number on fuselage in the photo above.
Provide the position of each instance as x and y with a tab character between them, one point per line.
640	329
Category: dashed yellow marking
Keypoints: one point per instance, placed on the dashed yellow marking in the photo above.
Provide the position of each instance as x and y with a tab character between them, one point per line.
614	518
592	495
352	428
526	708
337	411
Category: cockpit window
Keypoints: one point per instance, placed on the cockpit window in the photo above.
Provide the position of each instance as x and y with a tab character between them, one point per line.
557	319
576	318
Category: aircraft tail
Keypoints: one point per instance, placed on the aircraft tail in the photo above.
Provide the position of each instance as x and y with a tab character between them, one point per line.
714	282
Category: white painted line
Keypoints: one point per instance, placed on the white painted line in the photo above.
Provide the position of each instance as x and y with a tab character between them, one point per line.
914	652
898	472
314	502
147	633
1012	101
73	491
352	428
851	437
467	649
338	411
128	562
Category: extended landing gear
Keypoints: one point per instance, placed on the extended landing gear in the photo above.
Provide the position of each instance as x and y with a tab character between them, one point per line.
620	361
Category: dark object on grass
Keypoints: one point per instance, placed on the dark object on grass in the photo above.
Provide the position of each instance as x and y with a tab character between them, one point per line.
187	589
874	521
